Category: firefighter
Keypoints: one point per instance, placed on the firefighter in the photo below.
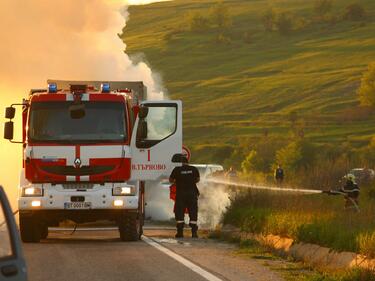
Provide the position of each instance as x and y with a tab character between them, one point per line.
279	175
186	178
351	192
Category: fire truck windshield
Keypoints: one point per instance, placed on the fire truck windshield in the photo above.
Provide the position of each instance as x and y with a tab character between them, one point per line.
102	122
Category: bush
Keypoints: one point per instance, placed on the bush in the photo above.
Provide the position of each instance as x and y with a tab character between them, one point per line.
354	12
289	156
198	22
220	16
249	163
322	7
366	91
269	19
284	23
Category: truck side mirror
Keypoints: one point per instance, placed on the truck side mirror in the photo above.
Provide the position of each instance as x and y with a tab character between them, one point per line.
8	130
10	112
143	112
142	130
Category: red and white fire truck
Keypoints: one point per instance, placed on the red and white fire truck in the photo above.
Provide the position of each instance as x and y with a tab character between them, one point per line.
88	148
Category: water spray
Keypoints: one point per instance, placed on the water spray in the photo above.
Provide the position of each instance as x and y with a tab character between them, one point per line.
278	189
271	188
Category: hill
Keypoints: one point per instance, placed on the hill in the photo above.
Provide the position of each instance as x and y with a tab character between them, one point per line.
244	82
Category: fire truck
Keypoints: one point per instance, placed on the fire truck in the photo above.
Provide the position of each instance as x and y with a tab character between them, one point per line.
88	149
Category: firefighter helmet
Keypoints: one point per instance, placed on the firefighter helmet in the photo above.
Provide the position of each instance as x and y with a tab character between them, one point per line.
350	177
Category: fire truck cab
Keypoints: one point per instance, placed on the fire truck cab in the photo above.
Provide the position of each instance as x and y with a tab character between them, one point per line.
88	148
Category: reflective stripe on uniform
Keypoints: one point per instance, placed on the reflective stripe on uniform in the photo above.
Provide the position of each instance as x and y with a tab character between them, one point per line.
193	222
180	221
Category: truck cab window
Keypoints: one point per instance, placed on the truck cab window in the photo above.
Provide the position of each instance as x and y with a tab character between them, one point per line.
161	123
102	122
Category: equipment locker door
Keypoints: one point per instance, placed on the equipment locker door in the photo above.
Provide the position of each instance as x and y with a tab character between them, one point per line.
157	137
12	263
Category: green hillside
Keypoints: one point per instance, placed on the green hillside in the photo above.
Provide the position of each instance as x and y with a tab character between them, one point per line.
243	81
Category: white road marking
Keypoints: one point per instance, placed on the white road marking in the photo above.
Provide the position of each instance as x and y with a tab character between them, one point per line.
197	269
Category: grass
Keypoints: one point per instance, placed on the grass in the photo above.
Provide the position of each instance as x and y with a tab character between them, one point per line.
317	219
237	90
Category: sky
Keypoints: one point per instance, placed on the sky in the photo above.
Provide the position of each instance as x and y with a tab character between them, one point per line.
62	39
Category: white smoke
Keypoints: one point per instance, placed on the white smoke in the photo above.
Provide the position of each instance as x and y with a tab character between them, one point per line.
70	39
213	201
159	207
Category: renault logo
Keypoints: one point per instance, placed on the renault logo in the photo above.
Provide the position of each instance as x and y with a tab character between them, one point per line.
77	162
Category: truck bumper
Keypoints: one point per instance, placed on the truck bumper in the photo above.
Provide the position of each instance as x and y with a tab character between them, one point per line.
98	197
53	217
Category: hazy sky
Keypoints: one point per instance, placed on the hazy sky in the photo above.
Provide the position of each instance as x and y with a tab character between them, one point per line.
64	39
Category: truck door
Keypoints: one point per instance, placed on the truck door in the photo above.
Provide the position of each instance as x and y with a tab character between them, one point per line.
12	263
157	137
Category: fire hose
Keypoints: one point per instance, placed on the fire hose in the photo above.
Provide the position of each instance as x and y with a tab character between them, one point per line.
296	190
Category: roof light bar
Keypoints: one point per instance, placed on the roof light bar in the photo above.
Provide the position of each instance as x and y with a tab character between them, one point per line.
105	87
52	88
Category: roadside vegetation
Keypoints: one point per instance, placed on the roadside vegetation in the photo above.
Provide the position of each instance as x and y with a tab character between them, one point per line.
317	219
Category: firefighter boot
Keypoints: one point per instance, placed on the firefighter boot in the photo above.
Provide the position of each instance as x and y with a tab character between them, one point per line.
194	230
180	230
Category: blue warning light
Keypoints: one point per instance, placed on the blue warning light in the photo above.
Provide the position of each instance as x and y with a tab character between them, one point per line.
105	87
52	88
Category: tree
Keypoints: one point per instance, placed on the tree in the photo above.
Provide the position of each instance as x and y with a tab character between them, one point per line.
290	156
354	12
269	19
366	91
284	23
248	164
322	7
220	16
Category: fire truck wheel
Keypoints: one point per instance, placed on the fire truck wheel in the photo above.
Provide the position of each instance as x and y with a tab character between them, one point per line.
30	230
130	229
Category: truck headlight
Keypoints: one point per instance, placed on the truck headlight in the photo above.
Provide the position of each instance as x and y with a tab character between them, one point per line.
123	191
32	191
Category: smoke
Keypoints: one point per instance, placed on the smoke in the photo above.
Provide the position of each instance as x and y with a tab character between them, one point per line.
62	39
70	39
159	207
214	199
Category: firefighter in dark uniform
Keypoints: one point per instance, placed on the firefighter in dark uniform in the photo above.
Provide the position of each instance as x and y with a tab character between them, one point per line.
186	178
279	175
351	191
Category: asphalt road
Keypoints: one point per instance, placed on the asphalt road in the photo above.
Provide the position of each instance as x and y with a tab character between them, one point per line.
100	255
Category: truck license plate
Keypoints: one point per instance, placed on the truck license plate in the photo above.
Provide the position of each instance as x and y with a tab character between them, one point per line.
77	205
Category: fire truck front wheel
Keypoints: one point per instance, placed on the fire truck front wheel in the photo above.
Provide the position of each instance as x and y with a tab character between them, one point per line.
130	228
31	231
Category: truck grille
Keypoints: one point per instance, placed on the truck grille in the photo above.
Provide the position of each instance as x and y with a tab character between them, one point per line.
78	185
72	171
